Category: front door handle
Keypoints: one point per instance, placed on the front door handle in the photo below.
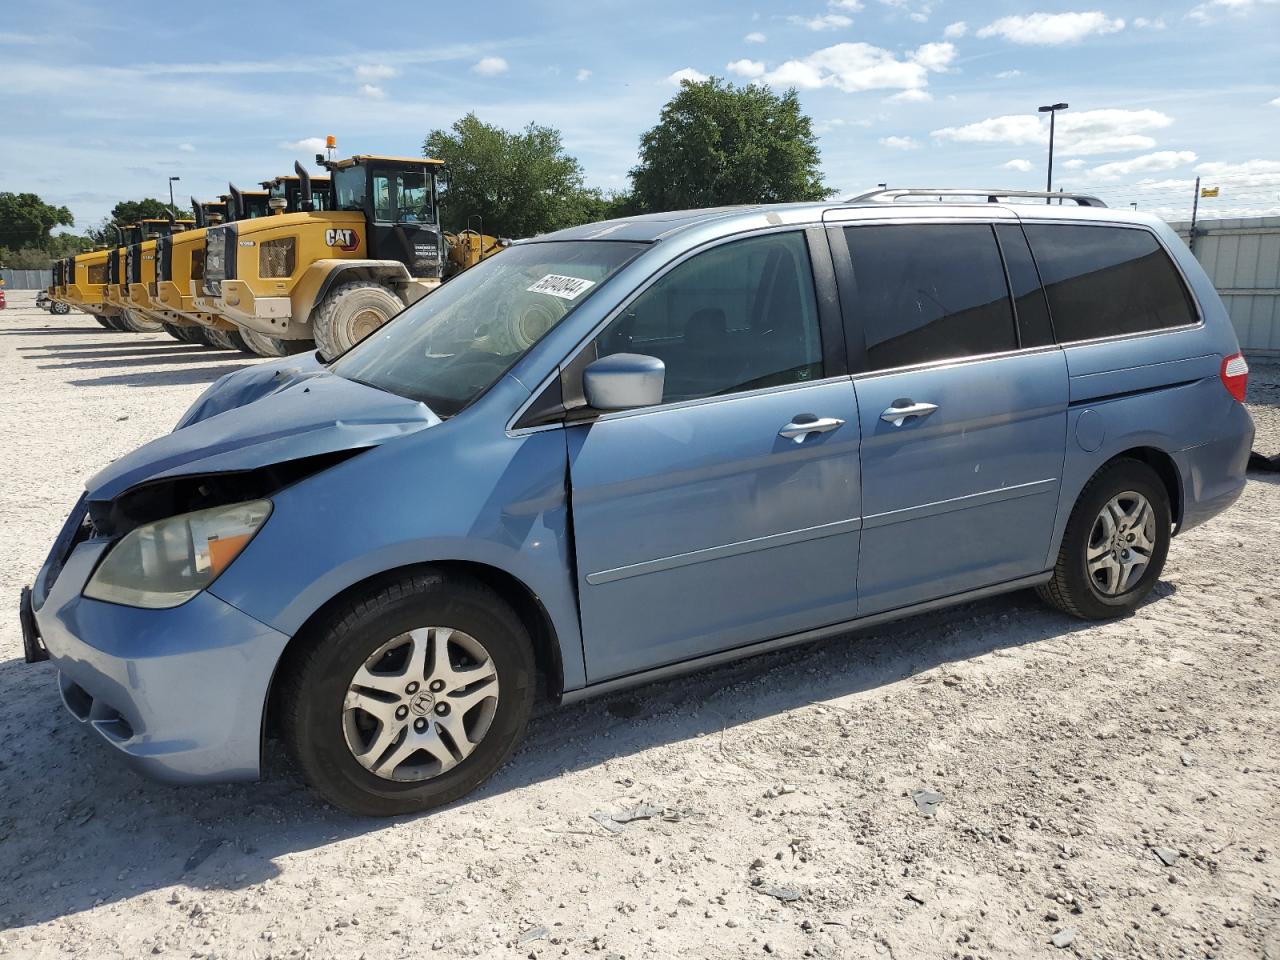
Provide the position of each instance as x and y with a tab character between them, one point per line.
806	423
902	409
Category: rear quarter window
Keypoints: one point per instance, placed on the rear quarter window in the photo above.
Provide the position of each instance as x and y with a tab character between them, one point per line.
1103	281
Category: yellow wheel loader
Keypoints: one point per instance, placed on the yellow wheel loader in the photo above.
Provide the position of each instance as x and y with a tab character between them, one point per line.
140	267
336	275
86	275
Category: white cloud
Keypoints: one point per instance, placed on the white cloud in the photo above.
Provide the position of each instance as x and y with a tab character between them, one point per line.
851	5
854	67
1022	166
899	143
1206	12
955	31
187	147
911	96
1276	102
826	21
372	91
1082	133
1075	163
1142	23
688	73
1147	163
755	36
1051	28
1008	74
747	68
375	71
826	126
1248	168
935	56
306	145
583	75
489	66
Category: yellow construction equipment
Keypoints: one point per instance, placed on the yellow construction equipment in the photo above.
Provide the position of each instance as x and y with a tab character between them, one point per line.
336	275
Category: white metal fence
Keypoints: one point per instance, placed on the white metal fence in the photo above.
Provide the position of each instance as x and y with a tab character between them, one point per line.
1242	257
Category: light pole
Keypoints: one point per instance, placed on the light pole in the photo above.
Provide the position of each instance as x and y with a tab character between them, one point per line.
171	206
1052	110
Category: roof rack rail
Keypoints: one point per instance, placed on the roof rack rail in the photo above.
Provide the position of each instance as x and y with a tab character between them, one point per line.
993	196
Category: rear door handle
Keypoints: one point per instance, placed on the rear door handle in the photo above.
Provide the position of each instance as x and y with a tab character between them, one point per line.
806	423
902	409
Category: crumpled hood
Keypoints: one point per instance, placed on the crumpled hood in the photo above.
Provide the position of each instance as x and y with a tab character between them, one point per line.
266	414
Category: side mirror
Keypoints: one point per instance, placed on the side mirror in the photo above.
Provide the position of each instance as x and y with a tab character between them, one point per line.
623	381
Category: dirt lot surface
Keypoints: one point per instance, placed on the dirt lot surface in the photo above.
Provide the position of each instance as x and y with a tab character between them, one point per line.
1101	790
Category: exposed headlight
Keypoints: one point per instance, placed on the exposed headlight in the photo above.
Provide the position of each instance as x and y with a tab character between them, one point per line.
166	563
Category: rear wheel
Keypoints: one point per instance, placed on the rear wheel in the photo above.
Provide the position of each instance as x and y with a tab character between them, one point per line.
410	695
352	312
135	322
61	309
1115	544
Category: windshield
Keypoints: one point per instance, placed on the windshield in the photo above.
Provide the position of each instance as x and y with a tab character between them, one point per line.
450	346
348	188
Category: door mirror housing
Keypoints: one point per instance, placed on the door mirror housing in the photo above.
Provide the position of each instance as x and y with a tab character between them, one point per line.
623	381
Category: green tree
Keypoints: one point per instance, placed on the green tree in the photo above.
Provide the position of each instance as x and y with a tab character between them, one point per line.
514	184
718	144
25	220
131	211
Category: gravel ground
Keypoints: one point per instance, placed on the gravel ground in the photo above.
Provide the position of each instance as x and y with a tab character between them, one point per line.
1105	790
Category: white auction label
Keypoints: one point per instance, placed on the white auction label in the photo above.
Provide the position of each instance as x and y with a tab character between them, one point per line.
566	288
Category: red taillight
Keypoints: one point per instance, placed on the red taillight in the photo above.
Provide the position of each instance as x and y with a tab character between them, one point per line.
1235	375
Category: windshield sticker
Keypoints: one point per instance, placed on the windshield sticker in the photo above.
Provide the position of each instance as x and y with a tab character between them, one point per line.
566	288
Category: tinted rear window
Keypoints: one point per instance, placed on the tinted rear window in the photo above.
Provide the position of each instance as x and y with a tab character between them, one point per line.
1102	281
929	292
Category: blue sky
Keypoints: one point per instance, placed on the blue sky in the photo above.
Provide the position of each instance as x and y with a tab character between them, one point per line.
105	101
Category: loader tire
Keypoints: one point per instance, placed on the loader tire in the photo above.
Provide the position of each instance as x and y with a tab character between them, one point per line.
103	321
135	322
350	313
265	345
216	339
175	331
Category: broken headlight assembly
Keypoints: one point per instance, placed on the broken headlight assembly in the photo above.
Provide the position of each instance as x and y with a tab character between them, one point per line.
166	562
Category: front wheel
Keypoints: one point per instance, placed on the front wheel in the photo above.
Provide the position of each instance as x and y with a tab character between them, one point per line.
1115	544
351	313
60	309
410	696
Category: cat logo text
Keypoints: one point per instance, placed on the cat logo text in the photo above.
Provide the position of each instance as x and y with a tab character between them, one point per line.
347	240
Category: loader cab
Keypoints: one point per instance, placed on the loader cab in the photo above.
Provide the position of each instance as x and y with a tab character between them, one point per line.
289	188
399	199
244	205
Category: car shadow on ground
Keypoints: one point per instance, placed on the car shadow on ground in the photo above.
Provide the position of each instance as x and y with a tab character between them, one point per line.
80	829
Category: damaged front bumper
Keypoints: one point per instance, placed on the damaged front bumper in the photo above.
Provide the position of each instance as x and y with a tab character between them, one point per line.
180	692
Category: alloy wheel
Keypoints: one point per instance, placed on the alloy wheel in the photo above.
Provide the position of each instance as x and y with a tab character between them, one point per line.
1121	543
420	704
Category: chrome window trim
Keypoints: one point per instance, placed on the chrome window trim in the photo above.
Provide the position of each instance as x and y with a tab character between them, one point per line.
956	361
630	298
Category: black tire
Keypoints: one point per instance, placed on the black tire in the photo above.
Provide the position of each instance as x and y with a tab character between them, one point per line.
102	321
265	345
315	680
135	322
216	339
1072	589
237	342
350	313
60	309
116	323
175	331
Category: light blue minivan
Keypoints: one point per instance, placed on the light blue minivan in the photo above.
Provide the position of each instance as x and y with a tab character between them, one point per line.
635	448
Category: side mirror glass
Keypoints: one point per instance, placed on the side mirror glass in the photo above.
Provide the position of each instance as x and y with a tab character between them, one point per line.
623	381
